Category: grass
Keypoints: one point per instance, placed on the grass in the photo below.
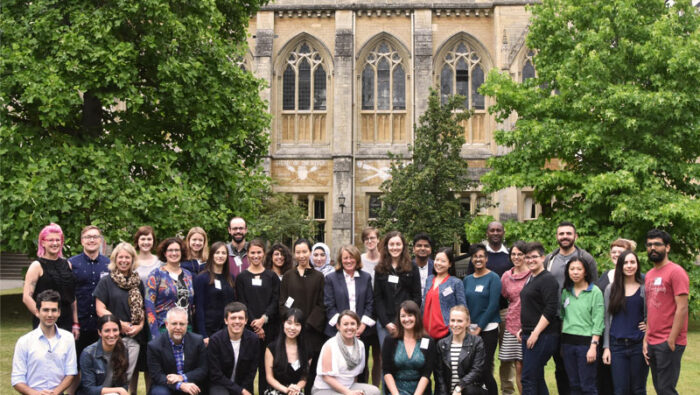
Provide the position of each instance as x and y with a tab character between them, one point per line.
16	321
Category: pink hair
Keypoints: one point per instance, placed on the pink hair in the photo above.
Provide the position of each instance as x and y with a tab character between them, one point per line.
51	228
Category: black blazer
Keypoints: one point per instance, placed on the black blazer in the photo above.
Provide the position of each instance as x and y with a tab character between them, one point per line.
471	364
389	351
389	296
221	361
336	299
161	361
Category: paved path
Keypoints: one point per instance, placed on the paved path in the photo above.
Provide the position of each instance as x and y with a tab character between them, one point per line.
10	284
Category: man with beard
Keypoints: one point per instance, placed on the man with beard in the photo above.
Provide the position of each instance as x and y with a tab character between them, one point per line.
238	249
666	287
422	249
555	263
177	359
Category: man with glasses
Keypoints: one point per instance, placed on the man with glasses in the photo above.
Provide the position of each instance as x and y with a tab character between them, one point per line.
666	287
88	267
238	249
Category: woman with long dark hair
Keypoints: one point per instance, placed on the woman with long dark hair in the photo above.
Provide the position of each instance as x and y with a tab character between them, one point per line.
278	260
443	291
625	317
286	361
213	290
105	363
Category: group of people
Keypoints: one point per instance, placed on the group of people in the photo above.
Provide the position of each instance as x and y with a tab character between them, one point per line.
199	318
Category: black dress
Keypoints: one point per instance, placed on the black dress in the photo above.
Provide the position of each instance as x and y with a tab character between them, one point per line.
57	275
289	375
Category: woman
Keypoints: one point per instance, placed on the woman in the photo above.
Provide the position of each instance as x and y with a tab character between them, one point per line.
52	271
258	288
168	286
286	364
443	291
146	262
278	260
197	247
120	295
616	248
370	259
483	291
512	282
396	279
460	358
409	358
302	287
539	333
321	257
342	360
582	312
213	290
104	364
625	317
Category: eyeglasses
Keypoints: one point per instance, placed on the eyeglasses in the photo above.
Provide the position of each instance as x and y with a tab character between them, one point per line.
517	254
91	237
532	257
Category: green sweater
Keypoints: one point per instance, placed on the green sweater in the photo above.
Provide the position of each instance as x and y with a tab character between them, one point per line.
583	315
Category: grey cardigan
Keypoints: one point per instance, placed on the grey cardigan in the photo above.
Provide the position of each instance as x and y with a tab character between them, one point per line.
608	316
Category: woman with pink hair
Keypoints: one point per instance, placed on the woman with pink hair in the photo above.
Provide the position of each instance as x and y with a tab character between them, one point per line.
52	271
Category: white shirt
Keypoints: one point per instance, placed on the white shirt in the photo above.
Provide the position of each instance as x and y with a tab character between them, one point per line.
423	276
350	283
368	266
236	344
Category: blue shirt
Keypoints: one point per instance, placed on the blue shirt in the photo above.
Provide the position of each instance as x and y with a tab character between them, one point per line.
87	274
41	363
179	354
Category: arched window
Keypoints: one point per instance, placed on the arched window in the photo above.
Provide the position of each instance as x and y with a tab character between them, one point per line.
383	95
528	70
304	93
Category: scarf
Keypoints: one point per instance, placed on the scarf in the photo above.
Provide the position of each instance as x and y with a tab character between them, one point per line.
131	284
354	359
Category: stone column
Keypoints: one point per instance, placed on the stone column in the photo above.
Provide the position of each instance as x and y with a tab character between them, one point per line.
342	129
423	60
262	60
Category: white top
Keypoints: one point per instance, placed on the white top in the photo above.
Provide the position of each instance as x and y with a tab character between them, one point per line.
236	344
339	368
350	284
368	266
144	271
423	276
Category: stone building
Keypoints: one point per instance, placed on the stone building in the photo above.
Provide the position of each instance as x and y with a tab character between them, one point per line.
348	81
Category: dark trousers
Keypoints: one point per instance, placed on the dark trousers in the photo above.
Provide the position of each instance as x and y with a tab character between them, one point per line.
490	339
560	372
534	361
163	390
582	375
629	370
605	381
665	367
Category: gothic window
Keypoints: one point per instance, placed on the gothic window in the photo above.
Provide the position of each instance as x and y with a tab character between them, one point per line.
304	89
528	70
383	95
462	73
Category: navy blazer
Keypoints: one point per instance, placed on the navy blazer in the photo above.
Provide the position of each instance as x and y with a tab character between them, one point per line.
221	361
336	299
161	361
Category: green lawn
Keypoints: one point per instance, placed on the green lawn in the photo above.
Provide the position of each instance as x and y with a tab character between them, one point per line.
15	321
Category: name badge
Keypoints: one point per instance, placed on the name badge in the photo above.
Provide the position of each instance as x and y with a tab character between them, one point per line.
104	274
393	279
566	302
296	365
217	283
257	282
447	291
238	260
424	342
289	302
479	288
657	281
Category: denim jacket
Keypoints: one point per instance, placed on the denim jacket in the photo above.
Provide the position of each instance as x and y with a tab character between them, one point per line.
451	300
93	365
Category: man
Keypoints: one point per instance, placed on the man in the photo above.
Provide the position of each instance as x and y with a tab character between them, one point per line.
422	250
233	354
177	359
555	263
88	268
44	360
666	287
238	249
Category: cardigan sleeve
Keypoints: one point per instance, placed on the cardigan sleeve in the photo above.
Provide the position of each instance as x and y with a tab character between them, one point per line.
430	356
388	351
607	317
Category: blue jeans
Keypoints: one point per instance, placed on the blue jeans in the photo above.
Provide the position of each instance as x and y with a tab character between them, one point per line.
534	361
665	367
629	370
581	374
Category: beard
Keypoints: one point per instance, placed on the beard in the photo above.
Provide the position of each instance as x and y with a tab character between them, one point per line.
656	256
238	237
565	243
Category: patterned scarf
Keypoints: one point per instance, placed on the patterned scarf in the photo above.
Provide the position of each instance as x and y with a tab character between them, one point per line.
131	284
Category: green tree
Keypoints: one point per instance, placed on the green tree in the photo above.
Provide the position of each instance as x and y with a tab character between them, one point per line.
281	219
608	134
420	195
123	113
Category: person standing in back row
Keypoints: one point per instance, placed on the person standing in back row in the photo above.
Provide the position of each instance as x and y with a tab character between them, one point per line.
666	287
238	249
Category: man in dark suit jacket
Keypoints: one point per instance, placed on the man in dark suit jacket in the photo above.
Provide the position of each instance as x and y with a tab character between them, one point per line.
233	354
177	360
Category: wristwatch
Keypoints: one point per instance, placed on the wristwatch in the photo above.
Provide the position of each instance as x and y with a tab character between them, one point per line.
594	342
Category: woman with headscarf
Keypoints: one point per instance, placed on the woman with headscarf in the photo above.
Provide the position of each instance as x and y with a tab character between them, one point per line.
321	259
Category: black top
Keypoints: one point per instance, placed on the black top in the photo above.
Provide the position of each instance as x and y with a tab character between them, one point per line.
116	299
540	296
57	275
210	301
307	294
260	293
288	376
221	360
388	296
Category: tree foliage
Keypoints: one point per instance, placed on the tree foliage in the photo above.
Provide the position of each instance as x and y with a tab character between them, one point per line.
281	220
608	134
420	195
126	113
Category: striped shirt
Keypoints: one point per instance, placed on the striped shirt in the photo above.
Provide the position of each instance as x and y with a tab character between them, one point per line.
455	349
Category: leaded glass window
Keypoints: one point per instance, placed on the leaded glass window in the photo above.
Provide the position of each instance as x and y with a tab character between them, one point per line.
383	80
463	73
299	90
